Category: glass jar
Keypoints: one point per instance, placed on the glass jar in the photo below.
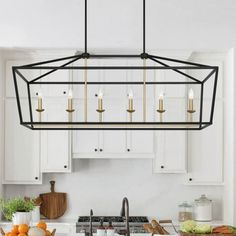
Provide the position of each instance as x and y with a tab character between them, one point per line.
185	212
203	209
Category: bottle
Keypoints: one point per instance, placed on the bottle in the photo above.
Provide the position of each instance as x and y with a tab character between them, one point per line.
110	229
203	209
101	229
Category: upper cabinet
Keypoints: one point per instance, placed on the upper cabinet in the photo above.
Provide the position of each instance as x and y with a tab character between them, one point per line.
170	152
112	144
205	152
55	145
22	150
196	154
205	148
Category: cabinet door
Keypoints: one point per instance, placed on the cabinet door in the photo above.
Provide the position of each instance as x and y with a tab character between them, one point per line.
205	152
113	142
170	154
85	142
141	142
55	145
22	152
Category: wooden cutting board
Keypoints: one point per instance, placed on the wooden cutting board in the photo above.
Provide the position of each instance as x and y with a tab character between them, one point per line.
53	204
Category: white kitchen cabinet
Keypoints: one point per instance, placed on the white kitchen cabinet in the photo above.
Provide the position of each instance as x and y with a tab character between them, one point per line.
110	144
170	153
205	152
55	145
205	148
85	142
22	149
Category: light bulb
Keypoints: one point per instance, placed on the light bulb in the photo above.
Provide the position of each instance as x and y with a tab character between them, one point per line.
70	94
191	94
131	95
100	95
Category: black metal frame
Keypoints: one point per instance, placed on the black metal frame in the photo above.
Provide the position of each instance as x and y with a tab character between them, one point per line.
161	65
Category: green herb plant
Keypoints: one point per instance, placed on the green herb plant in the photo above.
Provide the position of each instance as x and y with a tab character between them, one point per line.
10	206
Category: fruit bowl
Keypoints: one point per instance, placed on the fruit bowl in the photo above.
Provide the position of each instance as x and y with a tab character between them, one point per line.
25	230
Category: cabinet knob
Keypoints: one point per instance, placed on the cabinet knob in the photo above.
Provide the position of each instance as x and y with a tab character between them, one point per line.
128	150
36	178
37	94
65	166
190	179
162	167
64	92
101	150
95	150
96	95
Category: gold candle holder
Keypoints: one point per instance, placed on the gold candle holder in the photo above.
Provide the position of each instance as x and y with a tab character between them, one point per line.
40	103
161	109
190	104
40	107
100	111
190	114
191	111
40	110
70	102
130	111
70	110
161	112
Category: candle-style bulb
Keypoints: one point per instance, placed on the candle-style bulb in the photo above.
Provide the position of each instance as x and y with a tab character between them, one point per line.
100	95
70	94
190	100
40	101
161	95
191	94
100	102
131	95
40	95
161	104
70	100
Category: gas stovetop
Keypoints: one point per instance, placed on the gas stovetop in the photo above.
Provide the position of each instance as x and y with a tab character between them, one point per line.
118	222
113	219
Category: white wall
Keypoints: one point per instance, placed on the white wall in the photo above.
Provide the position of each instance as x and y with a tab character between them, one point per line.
173	24
101	185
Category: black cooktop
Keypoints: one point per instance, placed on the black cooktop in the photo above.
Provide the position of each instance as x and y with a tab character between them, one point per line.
114	219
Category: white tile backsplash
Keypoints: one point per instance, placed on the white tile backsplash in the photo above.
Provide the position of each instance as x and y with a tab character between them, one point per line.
101	185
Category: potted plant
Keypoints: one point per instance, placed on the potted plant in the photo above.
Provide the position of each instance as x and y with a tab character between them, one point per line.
17	210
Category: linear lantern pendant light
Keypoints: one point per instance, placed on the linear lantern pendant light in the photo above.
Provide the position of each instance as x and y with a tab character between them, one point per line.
91	92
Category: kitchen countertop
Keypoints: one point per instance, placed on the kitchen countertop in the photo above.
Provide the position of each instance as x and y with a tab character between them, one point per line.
71	223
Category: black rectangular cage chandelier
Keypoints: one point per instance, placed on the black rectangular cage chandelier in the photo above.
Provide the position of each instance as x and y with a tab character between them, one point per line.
115	92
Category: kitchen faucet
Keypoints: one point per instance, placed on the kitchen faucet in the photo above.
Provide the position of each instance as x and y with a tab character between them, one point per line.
90	223
125	213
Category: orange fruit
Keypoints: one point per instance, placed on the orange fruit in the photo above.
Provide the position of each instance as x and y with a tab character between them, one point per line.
42	225
12	234
8	234
15	229
22	234
48	233
23	228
